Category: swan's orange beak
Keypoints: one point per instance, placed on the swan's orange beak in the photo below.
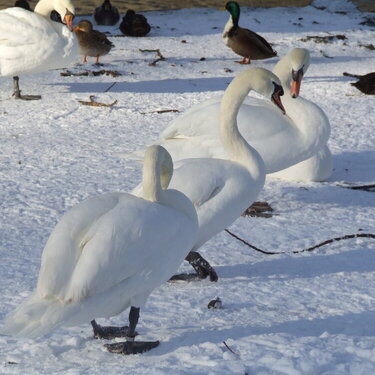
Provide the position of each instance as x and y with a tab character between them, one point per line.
296	83
68	19
275	97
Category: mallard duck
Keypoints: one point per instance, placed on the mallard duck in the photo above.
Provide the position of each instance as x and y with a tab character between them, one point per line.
134	24
244	42
106	14
365	83
91	42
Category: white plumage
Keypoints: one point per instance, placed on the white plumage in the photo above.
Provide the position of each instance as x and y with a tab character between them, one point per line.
30	42
281	140
222	189
108	253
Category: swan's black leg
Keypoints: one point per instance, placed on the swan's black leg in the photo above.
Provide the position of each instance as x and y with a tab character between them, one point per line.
17	91
109	332
201	266
130	346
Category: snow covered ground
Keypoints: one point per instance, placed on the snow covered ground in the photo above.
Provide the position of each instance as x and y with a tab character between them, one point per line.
310	313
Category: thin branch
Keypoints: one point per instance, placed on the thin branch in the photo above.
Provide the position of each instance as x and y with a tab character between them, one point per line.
93	103
161	111
346	237
230	349
158	53
370	188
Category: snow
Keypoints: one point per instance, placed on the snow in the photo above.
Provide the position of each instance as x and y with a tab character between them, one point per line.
307	313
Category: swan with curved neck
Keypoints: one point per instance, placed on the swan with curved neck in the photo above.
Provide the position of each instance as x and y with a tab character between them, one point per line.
30	42
109	253
281	140
221	189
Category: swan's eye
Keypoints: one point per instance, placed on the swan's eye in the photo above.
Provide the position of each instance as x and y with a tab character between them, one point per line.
297	74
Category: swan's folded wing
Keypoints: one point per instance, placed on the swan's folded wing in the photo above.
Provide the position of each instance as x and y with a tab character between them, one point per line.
136	238
66	241
28	42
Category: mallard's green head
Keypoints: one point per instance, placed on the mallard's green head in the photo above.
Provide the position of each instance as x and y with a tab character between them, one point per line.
234	9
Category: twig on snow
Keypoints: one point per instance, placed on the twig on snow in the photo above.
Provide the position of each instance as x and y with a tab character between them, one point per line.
370	188
94	103
158	53
162	111
326	242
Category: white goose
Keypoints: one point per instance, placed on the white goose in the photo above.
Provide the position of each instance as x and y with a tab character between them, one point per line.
30	42
222	189
281	140
108	253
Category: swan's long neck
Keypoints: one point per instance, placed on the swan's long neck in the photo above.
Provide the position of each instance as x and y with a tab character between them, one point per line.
44	8
283	70
234	143
151	176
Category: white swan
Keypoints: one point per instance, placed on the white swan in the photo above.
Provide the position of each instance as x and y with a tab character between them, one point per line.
281	140
30	42
222	189
108	253
317	168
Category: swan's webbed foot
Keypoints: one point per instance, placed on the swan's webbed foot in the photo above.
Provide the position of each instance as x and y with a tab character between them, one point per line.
201	266
131	347
109	332
17	92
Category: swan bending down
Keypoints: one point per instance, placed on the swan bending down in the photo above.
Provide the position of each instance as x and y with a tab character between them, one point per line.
108	253
281	140
222	189
30	42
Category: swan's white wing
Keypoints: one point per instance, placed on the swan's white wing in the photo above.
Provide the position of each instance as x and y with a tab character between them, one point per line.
136	238
30	43
225	189
66	241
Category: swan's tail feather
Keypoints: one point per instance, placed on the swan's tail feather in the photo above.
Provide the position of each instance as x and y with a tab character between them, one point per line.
33	318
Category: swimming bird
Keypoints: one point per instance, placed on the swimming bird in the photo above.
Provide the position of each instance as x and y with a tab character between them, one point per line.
31	43
109	253
134	24
91	42
106	14
244	42
222	188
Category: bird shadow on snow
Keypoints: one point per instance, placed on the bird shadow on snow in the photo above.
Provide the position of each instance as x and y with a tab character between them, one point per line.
354	166
152	86
350	324
305	267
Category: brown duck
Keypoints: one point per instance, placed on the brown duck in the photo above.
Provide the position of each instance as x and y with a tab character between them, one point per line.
244	42
134	24
365	83
91	42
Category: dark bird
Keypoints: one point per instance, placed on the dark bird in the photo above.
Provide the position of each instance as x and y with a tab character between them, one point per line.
106	14
244	42
365	83
91	42
134	24
22	4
